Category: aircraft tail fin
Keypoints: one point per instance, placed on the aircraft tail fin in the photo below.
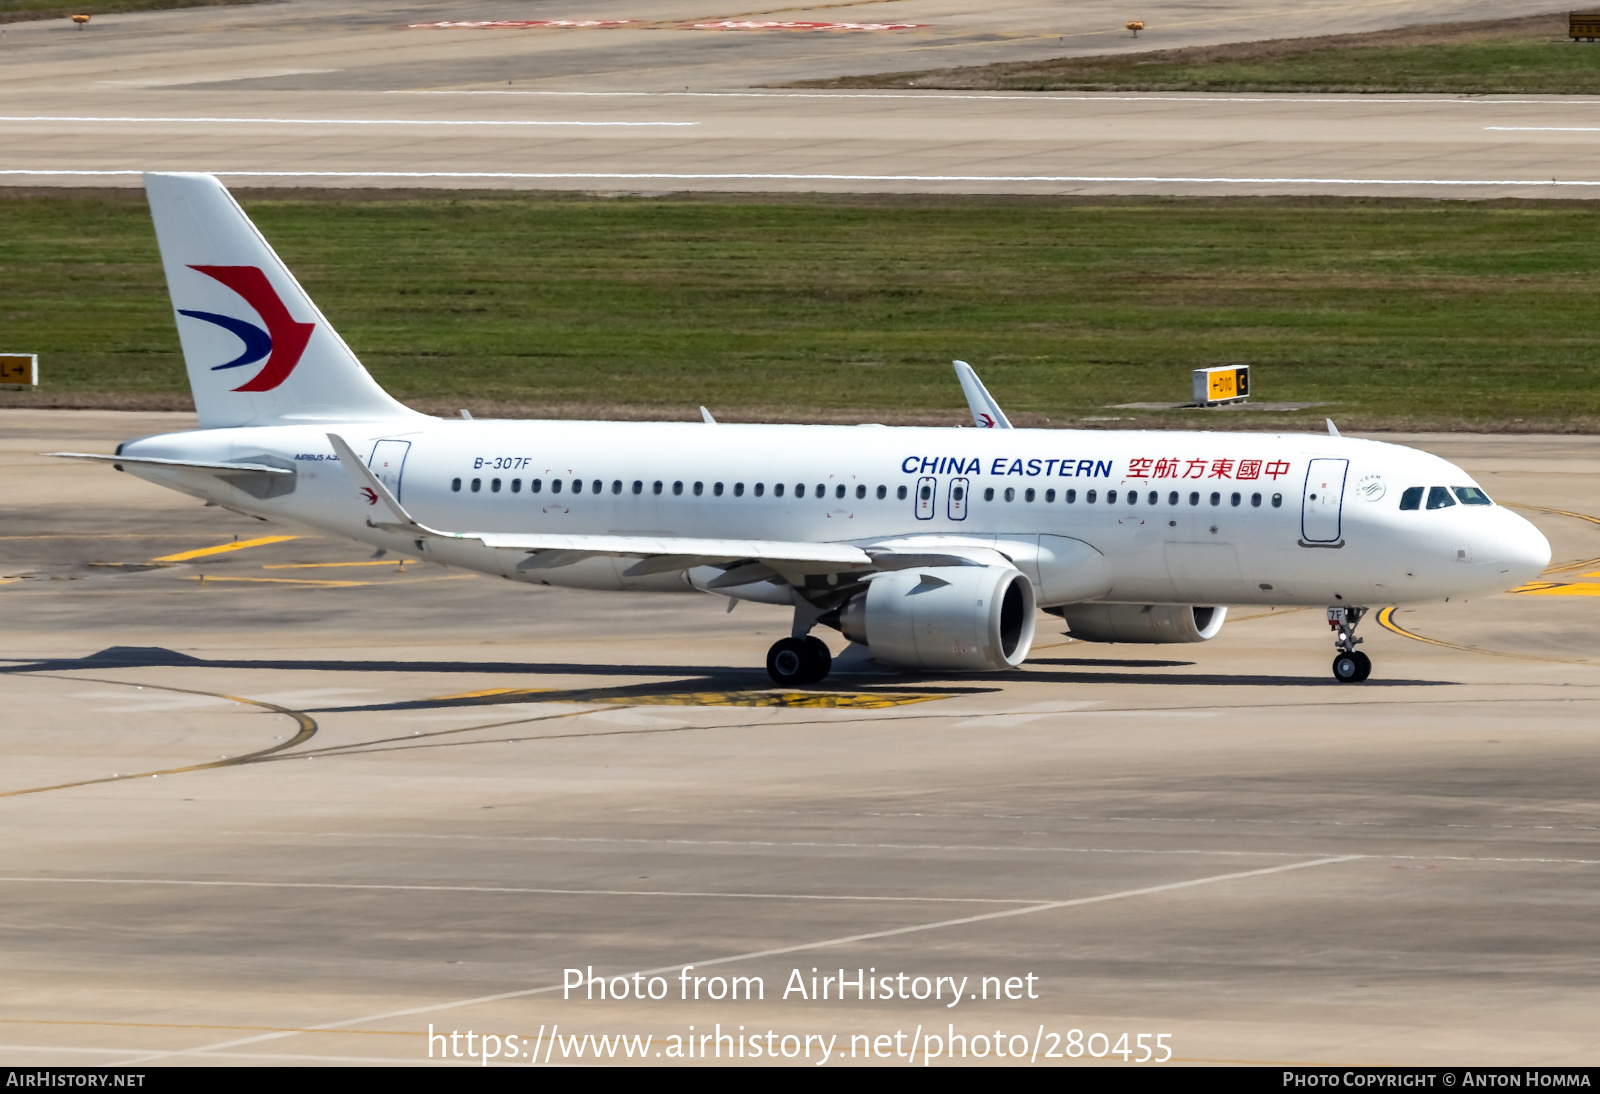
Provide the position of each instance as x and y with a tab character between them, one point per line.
258	351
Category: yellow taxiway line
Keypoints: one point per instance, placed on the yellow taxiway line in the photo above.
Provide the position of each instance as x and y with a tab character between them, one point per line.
223	548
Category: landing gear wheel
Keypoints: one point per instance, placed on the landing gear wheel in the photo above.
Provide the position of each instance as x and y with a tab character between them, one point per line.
787	661
793	661
819	659
1352	668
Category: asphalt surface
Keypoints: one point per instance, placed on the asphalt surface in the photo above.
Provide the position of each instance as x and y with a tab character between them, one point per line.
475	788
355	94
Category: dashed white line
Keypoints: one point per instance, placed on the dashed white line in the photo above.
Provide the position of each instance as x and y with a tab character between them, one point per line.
1543	128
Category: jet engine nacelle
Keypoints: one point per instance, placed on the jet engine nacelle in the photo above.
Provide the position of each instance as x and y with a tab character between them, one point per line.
944	617
1142	622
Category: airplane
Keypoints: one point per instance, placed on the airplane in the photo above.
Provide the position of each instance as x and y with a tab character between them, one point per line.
930	549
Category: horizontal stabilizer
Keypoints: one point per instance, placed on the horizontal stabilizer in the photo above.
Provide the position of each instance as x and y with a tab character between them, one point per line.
200	465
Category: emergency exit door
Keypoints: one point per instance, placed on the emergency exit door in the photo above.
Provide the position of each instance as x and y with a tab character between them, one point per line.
927	487
388	463
1322	503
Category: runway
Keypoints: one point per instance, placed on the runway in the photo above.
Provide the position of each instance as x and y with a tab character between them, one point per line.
302	94
271	800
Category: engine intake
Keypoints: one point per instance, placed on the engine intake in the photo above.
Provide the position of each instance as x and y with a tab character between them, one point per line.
1142	622
944	617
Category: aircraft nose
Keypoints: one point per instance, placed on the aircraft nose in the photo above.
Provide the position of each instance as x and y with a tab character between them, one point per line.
1523	550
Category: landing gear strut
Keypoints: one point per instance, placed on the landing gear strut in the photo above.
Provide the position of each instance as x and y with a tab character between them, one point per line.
1350	665
799	660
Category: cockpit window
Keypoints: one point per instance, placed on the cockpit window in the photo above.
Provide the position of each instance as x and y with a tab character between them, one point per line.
1439	498
1412	498
1471	495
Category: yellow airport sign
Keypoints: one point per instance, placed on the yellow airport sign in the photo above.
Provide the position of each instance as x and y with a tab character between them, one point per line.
19	369
1221	384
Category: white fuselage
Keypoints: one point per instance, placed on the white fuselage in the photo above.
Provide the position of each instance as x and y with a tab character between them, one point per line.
1174	517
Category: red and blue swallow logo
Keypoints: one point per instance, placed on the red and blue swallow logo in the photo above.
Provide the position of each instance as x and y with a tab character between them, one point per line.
281	342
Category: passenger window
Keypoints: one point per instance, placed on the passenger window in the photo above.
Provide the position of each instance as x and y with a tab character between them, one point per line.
477	484
882	492
799	489
1133	497
516	486
926	493
655	487
901	493
1153	498
1412	498
699	488
716	489
1439	498
959	493
577	486
1049	495
677	489
1255	501
1088	499
1471	495
535	485
1027	495
822	490
616	486
1011	493
596	486
777	490
1111	497
1071	496
494	486
1235	500
761	488
738	489
1216	498
1194	498
638	487
1277	501
988	494
1172	498
838	491
861	492
455	484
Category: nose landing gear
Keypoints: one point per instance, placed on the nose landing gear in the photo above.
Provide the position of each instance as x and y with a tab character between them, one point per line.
1350	665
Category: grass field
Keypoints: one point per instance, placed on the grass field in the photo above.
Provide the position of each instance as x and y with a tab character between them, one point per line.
18	11
1395	313
1530	55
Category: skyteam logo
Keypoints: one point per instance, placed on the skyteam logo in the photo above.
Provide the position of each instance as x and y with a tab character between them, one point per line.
280	343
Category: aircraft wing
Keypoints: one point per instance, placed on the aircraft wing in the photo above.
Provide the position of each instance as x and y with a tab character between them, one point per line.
658	554
986	413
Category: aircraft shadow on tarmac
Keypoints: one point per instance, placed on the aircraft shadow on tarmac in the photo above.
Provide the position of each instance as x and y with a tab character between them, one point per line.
684	677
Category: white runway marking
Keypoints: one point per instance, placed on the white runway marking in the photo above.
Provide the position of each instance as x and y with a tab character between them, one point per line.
319	121
844	940
1038	97
511	890
1543	128
741	176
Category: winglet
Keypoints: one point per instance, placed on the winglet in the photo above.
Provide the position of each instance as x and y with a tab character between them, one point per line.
1333	430
986	413
705	416
369	486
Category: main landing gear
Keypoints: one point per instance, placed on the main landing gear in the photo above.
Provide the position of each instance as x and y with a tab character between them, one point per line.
799	660
1350	665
